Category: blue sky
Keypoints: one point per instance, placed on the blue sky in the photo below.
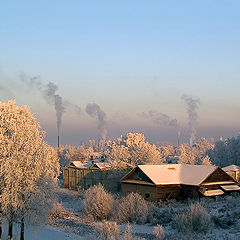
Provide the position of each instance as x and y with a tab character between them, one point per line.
129	57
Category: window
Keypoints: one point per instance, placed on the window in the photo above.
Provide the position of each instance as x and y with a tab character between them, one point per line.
147	195
73	173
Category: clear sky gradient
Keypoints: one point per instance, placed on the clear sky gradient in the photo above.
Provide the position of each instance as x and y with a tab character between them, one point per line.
129	57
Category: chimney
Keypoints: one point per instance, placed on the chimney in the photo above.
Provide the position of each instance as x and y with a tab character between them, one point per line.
58	141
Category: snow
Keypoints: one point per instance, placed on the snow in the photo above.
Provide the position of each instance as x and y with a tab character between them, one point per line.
42	232
97	162
231	168
135	228
214	192
230	187
177	173
103	165
79	164
48	232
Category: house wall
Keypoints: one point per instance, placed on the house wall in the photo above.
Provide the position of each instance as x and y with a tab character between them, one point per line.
65	178
146	191
110	179
139	175
73	175
168	192
234	175
188	191
218	176
76	178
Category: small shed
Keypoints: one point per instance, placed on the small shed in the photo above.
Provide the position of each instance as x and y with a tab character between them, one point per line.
82	175
233	171
178	181
75	171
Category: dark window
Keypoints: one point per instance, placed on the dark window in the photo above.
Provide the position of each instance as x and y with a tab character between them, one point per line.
147	195
74	173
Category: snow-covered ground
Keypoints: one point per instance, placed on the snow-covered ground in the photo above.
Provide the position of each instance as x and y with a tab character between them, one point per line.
225	214
41	233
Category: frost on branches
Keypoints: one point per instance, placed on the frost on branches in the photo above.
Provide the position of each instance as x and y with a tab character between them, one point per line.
28	167
134	150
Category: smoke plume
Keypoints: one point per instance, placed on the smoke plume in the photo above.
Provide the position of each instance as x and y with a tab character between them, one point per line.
56	100
48	92
93	110
163	120
160	118
192	107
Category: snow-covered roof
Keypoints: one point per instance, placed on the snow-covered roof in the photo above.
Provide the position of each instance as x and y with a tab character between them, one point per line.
79	164
231	187
97	161
231	168
213	192
103	165
177	173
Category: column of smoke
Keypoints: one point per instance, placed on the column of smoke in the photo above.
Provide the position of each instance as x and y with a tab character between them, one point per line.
94	110
48	92
56	99
163	120
192	107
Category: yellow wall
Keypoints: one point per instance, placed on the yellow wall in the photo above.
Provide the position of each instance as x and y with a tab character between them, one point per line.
146	191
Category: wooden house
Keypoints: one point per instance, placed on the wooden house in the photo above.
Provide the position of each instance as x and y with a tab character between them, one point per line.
178	181
79	174
74	172
233	171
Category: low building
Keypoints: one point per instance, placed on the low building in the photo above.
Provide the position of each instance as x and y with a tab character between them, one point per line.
233	171
82	175
75	171
178	181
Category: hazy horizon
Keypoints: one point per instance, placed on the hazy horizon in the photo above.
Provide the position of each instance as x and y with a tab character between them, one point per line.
135	60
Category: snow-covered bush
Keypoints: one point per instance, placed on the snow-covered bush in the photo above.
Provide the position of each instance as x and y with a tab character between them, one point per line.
133	208
195	219
98	204
106	230
158	232
160	215
59	212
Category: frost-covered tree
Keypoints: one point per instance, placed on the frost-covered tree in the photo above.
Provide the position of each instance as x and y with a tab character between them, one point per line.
206	161
69	153
28	167
196	153
141	152
186	155
167	150
134	150
226	152
117	155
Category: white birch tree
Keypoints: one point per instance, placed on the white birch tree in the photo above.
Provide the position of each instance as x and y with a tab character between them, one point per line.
28	167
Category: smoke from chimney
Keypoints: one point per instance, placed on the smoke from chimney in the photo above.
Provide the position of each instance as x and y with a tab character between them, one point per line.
160	118
192	107
56	100
49	93
163	120
94	110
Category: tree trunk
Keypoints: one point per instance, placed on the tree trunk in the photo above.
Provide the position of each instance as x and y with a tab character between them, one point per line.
22	229
10	229
0	230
